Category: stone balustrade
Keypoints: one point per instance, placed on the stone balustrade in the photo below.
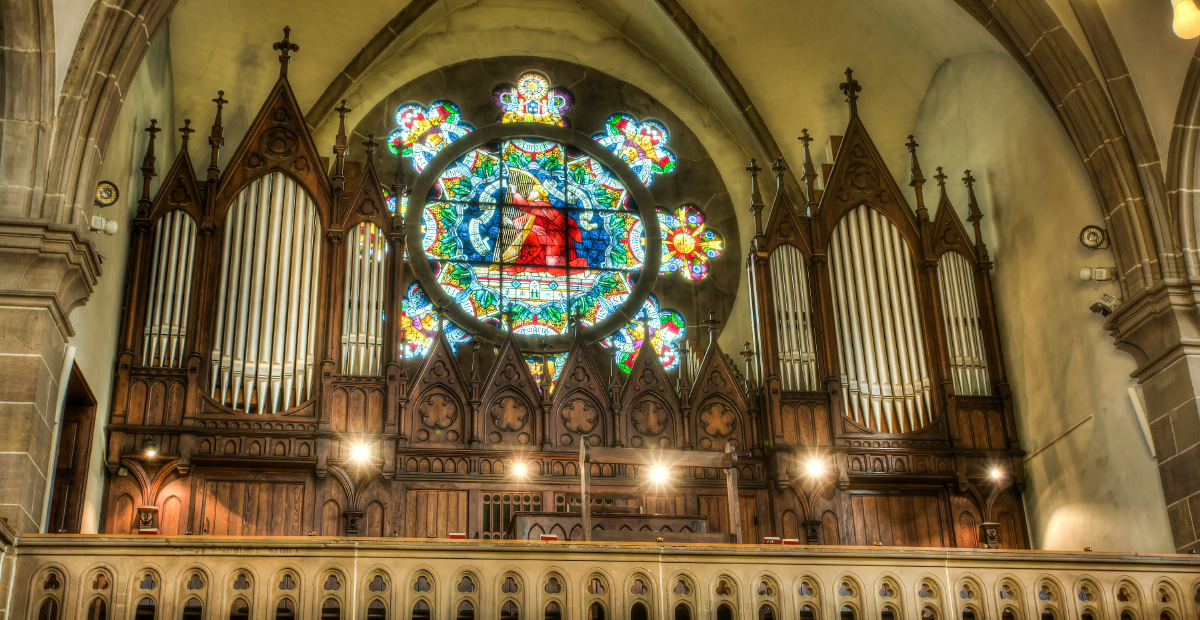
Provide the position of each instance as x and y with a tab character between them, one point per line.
195	577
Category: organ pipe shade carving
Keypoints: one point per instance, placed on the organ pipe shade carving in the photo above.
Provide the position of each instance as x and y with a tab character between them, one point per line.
362	306
170	290
263	356
964	332
885	384
793	319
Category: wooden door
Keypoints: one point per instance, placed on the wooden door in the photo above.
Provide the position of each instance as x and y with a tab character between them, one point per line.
74	455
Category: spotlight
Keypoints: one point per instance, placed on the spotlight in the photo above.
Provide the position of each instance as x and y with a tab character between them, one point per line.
150	446
659	474
995	473
520	469
360	452
815	467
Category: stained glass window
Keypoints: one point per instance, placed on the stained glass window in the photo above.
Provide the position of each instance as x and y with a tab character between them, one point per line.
535	236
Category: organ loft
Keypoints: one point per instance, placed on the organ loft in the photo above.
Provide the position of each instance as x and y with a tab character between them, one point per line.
448	334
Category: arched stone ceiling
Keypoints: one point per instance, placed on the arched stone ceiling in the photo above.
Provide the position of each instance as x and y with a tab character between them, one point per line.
788	56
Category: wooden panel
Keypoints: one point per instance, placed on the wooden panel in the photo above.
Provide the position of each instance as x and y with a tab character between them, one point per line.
898	520
713	508
241	508
434	514
664	505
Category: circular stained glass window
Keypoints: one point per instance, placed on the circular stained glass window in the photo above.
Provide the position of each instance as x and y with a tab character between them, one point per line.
534	230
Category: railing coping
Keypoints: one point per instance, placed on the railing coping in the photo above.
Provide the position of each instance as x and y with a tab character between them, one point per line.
52	544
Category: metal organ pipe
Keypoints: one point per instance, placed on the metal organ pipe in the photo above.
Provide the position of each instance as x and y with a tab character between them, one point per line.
263	340
884	381
362	322
793	319
169	292
968	360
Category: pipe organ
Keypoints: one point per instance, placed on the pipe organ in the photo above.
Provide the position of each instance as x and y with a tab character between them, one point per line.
262	350
170	290
964	333
362	314
263	353
885	384
793	320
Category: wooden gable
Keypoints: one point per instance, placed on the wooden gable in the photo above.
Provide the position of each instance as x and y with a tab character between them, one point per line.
178	192
949	234
581	401
859	176
439	401
366	202
510	399
278	140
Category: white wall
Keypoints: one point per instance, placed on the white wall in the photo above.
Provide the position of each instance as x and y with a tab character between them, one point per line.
97	323
1092	480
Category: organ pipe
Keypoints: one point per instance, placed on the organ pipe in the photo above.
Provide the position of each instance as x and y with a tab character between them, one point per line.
170	291
264	342
885	383
793	319
964	331
362	305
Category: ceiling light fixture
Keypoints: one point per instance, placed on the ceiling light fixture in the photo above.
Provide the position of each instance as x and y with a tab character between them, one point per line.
1186	22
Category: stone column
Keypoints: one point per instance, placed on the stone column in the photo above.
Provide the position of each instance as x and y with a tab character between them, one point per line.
1162	332
46	272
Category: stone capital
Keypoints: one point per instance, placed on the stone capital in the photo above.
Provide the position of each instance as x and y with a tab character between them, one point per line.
46	266
1158	327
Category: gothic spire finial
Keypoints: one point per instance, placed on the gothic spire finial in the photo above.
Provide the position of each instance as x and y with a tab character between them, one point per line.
216	138
851	88
339	149
370	145
285	48
148	165
975	215
917	182
187	131
941	179
810	173
755	195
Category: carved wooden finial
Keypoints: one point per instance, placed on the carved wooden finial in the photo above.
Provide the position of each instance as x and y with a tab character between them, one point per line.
918	178
941	179
148	164
187	132
974	214
810	172
370	145
851	88
755	195
748	354
917	182
285	48
216	138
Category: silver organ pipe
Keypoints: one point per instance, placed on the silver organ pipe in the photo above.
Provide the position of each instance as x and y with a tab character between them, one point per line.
362	306
170	290
964	333
793	319
264	342
885	383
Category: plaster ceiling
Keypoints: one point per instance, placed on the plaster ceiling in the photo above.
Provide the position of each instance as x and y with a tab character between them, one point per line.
789	55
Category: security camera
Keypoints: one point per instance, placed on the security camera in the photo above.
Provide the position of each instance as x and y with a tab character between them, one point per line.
1097	274
1105	305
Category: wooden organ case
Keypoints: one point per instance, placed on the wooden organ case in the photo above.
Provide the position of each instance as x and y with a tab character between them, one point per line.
256	352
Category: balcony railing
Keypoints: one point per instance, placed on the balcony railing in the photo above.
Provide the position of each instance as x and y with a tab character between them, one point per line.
202	577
